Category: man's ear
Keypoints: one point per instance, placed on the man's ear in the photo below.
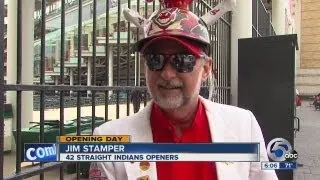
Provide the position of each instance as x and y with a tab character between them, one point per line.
206	69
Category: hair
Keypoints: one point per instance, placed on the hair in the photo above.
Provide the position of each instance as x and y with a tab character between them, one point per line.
211	87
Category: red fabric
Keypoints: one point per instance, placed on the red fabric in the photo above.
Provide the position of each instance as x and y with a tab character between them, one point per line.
199	132
298	101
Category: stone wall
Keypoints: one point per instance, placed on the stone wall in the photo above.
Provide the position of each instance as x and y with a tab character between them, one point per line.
308	76
310	34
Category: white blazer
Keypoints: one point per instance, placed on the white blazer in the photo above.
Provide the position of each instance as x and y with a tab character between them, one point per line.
227	124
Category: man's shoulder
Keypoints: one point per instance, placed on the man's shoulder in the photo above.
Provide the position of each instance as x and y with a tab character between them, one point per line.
227	109
230	108
237	123
230	114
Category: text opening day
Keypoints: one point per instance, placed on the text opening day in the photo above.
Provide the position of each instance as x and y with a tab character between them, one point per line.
113	138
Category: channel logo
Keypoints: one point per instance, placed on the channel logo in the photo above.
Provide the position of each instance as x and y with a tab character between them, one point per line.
44	152
280	149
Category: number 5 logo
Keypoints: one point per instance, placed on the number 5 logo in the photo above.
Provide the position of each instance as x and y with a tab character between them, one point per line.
277	148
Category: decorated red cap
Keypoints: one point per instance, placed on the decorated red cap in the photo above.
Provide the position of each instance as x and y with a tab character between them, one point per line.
178	24
175	20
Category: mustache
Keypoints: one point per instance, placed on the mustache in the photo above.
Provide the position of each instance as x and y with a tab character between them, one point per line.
170	84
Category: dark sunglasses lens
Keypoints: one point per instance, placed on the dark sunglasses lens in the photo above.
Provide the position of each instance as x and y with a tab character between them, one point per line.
183	63
155	62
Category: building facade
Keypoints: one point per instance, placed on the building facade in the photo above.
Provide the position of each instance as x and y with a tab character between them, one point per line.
308	77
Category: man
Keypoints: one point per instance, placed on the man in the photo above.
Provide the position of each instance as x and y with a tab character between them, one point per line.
298	99
176	55
316	101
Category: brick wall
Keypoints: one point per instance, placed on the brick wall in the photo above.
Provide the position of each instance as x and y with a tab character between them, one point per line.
310	34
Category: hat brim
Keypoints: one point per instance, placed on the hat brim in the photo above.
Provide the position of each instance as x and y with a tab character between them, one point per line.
190	45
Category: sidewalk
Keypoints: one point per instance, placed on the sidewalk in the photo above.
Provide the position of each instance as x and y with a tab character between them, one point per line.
307	143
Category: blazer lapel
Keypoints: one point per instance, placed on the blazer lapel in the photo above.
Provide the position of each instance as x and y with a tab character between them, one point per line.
141	132
220	133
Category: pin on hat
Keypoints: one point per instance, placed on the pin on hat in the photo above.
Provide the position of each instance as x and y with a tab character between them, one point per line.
175	20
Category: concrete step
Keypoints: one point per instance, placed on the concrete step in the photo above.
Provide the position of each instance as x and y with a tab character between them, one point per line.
312	80
308	81
309	71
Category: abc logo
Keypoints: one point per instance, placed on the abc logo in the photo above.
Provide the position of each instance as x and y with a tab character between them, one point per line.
291	156
280	149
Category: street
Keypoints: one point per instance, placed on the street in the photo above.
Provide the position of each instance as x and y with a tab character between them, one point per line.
307	143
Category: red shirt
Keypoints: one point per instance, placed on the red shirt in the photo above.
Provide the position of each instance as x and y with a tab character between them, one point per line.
198	132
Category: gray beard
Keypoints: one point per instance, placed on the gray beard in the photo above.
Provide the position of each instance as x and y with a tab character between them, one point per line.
169	102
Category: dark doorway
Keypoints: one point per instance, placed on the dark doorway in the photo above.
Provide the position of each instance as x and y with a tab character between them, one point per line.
266	86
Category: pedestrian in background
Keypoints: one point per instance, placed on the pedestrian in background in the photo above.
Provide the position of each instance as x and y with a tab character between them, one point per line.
136	99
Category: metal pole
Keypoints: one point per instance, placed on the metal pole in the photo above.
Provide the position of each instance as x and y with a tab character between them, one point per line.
62	59
241	28
1	85
79	77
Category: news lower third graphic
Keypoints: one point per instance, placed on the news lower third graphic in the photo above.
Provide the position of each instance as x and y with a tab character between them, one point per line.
159	152
120	149
281	152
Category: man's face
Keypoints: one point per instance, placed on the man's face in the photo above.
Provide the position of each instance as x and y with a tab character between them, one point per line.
169	88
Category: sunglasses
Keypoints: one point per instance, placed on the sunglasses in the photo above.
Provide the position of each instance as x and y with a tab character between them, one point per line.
183	63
